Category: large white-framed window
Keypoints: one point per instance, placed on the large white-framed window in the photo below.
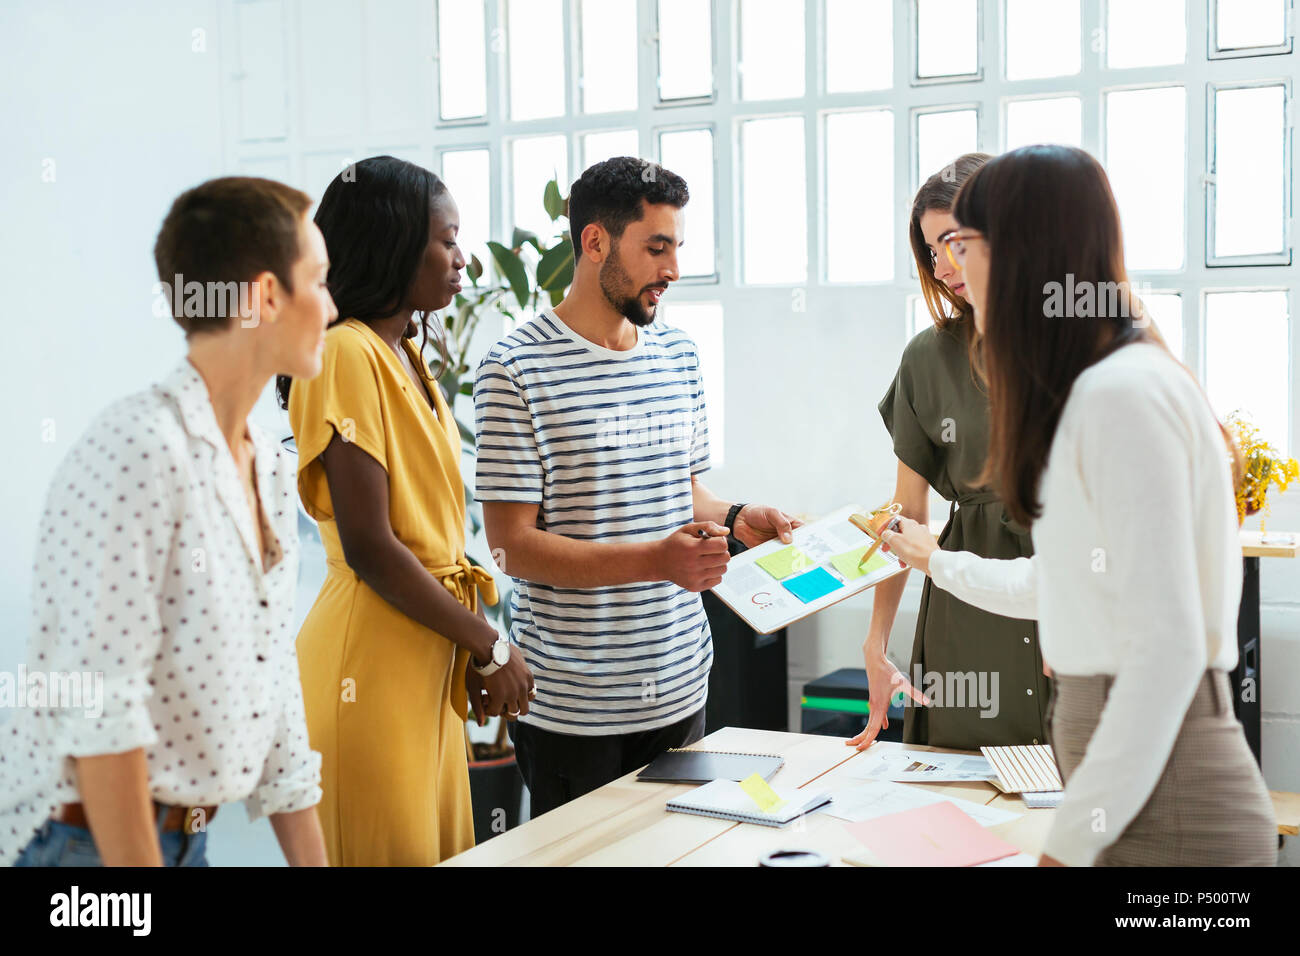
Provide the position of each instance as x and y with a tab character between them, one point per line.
781	237
1248	220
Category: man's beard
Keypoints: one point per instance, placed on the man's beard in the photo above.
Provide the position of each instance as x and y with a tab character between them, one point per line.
613	280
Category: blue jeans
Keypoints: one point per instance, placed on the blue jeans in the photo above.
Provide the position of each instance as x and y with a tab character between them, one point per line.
59	844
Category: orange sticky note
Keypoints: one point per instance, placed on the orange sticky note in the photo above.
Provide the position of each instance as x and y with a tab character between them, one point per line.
938	834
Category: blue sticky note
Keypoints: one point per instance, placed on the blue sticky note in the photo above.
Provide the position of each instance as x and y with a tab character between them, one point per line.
810	586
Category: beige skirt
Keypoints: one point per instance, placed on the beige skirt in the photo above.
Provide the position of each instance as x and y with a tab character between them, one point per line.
1210	806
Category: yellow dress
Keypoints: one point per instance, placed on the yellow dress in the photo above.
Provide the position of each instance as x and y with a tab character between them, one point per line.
385	696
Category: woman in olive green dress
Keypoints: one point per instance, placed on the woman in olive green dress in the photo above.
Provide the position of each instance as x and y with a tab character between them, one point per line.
980	675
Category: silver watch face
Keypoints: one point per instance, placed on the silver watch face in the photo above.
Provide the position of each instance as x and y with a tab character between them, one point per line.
501	653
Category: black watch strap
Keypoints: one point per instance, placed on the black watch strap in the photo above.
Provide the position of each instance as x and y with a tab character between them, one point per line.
734	544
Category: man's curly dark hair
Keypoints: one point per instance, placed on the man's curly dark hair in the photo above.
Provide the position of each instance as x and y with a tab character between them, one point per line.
610	193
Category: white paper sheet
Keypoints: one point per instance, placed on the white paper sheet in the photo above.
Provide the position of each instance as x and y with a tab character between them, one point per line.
877	798
921	766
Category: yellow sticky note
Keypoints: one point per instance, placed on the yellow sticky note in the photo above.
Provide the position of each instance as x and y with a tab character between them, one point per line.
783	563
761	793
850	564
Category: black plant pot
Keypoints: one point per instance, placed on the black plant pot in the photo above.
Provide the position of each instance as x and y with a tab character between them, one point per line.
496	791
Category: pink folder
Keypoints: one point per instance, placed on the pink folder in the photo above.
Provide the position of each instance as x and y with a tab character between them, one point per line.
938	834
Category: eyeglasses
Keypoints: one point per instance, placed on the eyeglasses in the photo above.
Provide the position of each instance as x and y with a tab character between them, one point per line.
954	244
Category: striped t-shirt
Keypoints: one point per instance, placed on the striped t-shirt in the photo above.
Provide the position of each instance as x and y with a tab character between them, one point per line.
605	442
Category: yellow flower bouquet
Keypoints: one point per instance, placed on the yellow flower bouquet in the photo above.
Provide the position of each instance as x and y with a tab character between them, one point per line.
1264	466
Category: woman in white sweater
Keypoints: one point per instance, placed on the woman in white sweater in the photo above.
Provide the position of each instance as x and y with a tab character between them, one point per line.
1106	446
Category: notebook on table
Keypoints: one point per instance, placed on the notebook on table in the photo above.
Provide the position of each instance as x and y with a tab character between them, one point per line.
726	800
702	766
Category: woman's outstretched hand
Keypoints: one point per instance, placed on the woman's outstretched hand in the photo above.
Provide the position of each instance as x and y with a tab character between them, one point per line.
883	681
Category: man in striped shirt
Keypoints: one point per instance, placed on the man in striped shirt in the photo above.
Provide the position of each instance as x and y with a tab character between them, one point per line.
591	432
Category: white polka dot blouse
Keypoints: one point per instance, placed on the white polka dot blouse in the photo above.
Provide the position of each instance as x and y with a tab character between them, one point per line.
157	622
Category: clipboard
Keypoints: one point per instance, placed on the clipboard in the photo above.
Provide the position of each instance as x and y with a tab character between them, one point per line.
774	585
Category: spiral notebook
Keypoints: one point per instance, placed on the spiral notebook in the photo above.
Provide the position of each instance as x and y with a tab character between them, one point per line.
701	766
726	800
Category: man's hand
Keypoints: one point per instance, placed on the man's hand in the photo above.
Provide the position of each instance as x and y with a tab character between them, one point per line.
758	523
509	688
690	560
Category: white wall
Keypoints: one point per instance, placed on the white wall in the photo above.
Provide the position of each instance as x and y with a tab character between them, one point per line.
129	116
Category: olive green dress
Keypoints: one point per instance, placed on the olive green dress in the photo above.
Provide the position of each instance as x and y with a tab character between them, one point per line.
981	663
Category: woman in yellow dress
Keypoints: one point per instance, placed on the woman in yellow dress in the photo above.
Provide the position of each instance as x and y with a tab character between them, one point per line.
396	644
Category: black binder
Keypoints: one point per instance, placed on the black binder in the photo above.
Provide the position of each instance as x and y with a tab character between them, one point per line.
703	766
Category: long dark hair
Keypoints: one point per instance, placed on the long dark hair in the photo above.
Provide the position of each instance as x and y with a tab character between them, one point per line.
1047	213
375	220
938	193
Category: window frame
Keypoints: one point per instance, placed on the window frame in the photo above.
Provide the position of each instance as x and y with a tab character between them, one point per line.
721	112
1283	258
1212	51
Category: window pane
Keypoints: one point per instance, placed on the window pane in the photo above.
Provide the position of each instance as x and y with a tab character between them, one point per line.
1145	157
1246	349
535	32
860	227
469	181
1058	120
609	55
702	321
771	49
1165	309
774	205
1043	38
689	153
947	38
1247	23
1250	186
535	161
462	67
859	45
608	144
942	137
685	49
1145	33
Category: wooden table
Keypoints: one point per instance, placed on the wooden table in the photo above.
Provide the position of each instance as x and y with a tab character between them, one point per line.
625	822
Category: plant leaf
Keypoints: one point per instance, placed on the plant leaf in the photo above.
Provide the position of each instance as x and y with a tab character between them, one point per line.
521	236
555	270
474	269
512	267
556	206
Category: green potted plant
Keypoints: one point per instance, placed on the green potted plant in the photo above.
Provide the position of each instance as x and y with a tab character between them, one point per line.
527	269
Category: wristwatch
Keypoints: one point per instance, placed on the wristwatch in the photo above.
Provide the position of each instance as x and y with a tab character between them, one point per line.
500	657
734	544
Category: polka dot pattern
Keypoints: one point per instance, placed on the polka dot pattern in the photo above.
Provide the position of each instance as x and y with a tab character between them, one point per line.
147	572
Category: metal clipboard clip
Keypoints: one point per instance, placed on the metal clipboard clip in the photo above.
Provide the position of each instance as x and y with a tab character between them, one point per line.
875	523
